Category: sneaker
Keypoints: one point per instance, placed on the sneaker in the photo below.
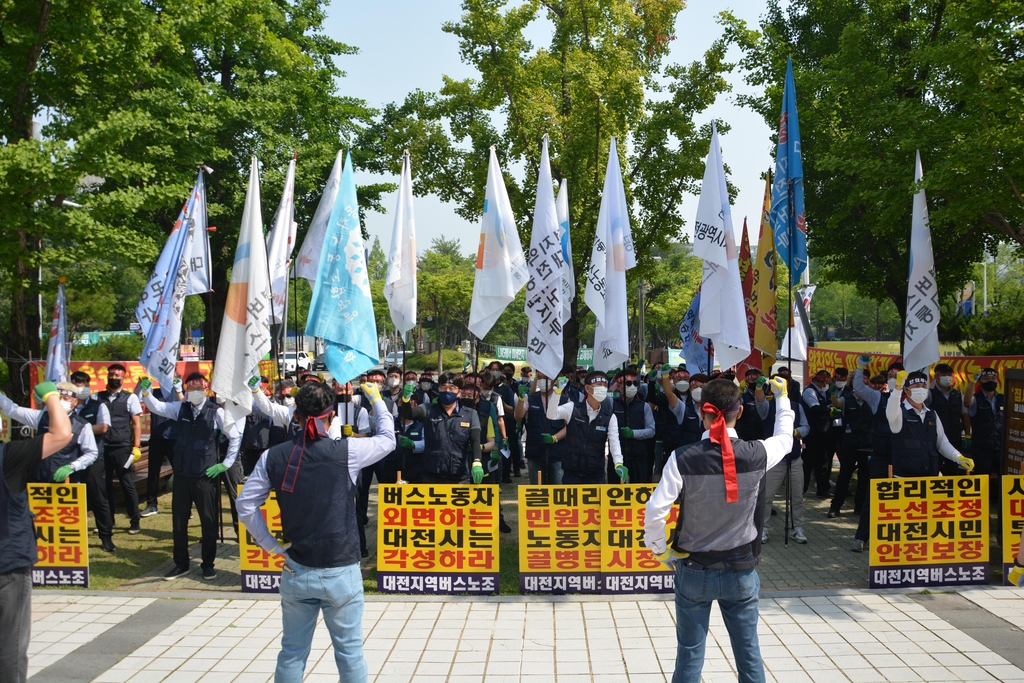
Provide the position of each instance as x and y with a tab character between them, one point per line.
859	546
175	573
365	553
108	546
134	528
764	535
505	528
798	535
209	573
832	514
149	511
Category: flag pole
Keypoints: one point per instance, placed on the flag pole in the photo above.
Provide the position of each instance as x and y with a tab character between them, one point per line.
789	353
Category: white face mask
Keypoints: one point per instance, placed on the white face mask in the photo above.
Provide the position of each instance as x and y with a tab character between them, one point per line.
289	401
426	386
485	394
600	394
918	394
840	385
631	392
67	406
682	386
946	381
542	385
196	397
695	394
394	382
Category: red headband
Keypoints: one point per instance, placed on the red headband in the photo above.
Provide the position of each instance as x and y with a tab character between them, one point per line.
720	436
200	382
312	430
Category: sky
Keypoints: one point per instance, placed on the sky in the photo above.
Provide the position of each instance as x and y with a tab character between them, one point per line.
402	48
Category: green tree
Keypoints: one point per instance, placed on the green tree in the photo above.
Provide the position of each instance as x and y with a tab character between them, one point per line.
601	75
378	263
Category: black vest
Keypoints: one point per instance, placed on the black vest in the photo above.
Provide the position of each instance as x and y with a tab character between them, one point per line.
881	435
631	415
671	433
47	467
585	440
538	424
446	451
413	465
987	426
748	426
120	432
342	413
318	517
857	423
692	428
17	535
819	417
914	449
90	412
256	435
163	427
195	451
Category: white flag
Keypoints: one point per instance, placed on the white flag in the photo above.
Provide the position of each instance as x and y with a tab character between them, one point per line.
611	257
921	330
544	291
308	258
568	276
160	354
723	313
245	332
400	285
199	275
500	264
794	344
58	351
280	242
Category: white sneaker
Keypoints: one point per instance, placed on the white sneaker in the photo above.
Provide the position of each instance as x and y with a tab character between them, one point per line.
764	535
798	535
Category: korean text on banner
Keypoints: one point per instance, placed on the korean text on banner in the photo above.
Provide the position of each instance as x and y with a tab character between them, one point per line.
308	259
62	535
560	539
568	277
1013	521
261	571
544	289
280	243
921	332
437	539
1013	440
929	531
627	565
789	223
763	298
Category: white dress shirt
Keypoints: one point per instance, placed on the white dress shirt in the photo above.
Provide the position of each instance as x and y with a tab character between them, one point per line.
564	412
894	414
31	418
172	409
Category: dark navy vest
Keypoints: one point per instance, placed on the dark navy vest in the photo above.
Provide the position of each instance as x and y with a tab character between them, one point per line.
47	467
163	427
914	449
446	451
537	424
195	451
631	415
120	432
17	535
881	435
585	440
986	425
90	412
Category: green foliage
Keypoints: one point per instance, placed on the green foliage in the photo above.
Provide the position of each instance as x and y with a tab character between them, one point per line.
673	281
120	347
452	360
378	263
854	317
996	331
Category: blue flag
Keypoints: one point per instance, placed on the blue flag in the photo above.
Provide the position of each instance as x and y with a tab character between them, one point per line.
341	310
695	347
787	212
58	351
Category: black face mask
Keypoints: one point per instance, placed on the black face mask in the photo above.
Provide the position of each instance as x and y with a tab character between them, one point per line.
114	382
989	386
344	398
467	403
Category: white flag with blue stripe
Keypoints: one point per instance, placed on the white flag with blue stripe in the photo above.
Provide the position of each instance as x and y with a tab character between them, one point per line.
58	351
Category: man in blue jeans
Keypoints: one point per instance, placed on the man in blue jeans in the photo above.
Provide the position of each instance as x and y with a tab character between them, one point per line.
314	476
714	549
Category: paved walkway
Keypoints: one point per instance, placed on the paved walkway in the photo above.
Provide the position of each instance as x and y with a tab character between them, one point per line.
841	636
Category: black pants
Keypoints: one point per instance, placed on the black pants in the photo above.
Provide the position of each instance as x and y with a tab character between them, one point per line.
232	477
878	468
249	458
851	460
15	624
159	450
986	460
95	478
638	465
447	478
115	457
386	473
576	478
817	457
203	492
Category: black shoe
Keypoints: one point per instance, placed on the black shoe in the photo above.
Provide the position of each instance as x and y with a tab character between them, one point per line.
365	553
774	513
505	528
149	511
517	474
506	481
175	573
832	514
134	528
108	545
209	573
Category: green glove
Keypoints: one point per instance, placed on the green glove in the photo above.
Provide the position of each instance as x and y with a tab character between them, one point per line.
146	385
967	442
523	390
407	391
478	472
495	456
254	383
216	470
561	384
626	433
761	381
623	473
548	438
44	389
863	361
406	442
63	473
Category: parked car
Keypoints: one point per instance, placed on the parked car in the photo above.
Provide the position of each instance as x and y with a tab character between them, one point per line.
292	361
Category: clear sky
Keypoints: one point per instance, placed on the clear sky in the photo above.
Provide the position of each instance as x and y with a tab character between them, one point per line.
402	47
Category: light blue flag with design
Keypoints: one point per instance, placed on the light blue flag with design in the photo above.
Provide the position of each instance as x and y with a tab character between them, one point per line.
787	212
695	347
341	310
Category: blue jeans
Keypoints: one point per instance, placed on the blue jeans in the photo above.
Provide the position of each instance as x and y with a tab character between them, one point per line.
736	592
553	475
305	591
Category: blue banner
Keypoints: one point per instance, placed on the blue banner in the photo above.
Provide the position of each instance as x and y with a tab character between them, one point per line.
787	212
695	348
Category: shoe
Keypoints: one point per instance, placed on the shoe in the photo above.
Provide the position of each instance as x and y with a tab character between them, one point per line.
134	528
798	535
517	474
826	494
108	546
209	573
506	481
832	514
365	553
859	546
774	513
505	528
175	573
149	511
764	536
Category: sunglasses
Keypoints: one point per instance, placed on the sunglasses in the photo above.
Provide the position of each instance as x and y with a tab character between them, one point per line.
630	383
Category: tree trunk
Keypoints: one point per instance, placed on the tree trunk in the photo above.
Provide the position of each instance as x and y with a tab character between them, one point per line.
24	322
571	334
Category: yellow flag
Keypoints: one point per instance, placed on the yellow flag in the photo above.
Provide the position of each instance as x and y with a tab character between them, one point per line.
762	298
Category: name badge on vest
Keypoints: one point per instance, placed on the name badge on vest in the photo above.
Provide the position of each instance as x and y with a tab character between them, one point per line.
601	429
463	424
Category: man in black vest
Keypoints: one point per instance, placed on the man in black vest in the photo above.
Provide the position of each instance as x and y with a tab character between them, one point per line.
95	478
162	435
948	403
451	434
918	439
748	425
256	433
18	552
545	438
591	430
386	470
123	442
818	448
854	445
676	405
196	468
315	477
716	545
636	428
988	417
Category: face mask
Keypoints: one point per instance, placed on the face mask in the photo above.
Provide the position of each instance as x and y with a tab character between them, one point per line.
467	403
446	398
682	385
695	394
196	397
496	374
840	385
989	386
289	401
486	394
631	392
542	385
918	394
114	383
426	386
394	382
344	398
84	394
946	381
66	405
600	394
